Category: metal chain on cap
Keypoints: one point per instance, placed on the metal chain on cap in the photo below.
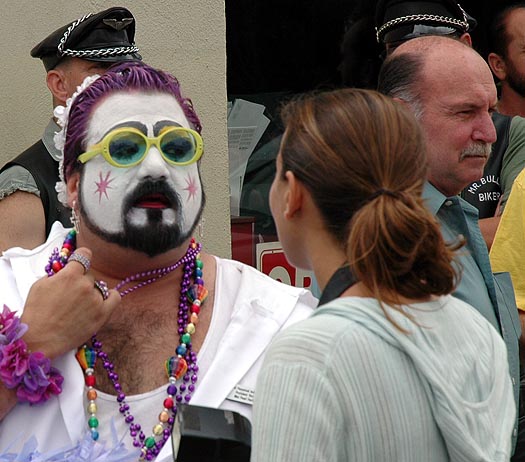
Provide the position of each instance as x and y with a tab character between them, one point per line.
423	17
90	53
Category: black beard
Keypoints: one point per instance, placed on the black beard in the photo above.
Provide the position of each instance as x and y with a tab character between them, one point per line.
156	236
514	79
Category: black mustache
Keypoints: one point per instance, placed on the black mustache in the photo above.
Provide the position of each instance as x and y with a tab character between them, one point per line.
149	187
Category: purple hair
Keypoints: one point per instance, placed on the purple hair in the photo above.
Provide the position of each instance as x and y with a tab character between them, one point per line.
124	76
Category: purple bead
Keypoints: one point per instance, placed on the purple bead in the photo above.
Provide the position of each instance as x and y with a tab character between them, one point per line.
138	428
172	389
182	388
137	444
171	420
129	418
133	433
193	378
121	397
187	398
191	388
178	398
166	434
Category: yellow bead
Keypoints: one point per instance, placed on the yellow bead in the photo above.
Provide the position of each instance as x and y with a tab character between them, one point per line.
164	416
92	408
190	328
158	429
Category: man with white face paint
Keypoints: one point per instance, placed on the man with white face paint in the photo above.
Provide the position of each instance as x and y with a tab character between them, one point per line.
166	200
177	325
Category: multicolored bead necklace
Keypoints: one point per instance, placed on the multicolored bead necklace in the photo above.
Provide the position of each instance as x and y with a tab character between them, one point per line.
183	365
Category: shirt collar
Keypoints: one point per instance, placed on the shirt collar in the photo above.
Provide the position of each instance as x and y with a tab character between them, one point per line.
433	198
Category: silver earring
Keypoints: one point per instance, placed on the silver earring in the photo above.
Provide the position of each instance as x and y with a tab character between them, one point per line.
201	228
75	218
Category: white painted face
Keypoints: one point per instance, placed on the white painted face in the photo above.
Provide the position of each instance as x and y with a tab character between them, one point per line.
110	196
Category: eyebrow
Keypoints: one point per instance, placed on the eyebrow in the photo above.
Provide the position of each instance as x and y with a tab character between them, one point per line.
164	123
133	124
141	127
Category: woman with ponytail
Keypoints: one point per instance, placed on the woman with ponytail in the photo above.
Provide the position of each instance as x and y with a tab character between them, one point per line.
390	367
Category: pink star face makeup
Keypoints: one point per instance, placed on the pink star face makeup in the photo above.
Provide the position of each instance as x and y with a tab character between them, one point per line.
103	185
114	197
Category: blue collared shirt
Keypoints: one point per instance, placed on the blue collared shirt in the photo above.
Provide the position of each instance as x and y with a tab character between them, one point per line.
490	294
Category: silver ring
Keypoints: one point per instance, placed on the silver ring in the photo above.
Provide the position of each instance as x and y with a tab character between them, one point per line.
79	258
103	288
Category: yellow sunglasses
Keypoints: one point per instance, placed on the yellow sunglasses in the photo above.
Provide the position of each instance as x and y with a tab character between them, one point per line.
127	146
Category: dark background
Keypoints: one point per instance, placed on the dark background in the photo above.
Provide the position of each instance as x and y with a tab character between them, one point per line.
294	46
277	48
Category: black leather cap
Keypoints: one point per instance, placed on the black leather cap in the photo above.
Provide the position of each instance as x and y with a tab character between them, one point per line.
398	20
107	36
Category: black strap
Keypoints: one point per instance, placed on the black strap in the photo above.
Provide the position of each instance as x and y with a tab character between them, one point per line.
341	280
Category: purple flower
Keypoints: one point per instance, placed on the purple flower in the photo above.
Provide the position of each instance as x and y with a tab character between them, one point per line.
40	381
13	363
10	326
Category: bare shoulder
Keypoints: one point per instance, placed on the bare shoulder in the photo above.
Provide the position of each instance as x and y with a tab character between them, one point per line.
22	222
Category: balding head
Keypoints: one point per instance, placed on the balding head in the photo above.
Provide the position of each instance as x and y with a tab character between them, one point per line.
406	69
450	89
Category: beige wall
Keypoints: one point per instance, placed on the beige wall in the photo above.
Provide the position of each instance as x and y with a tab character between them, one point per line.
186	38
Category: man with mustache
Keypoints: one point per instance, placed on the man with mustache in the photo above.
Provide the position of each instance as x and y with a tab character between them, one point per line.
177	326
449	88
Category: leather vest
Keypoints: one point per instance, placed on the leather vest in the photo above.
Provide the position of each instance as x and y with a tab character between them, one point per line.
44	170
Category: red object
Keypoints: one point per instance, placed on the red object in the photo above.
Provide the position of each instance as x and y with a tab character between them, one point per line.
90	380
195	309
243	240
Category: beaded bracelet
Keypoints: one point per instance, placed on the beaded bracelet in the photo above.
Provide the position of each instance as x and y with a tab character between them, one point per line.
31	374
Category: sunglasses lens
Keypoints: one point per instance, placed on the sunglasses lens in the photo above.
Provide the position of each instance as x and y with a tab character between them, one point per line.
126	148
178	146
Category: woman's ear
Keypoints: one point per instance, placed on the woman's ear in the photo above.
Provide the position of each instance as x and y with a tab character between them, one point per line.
294	195
73	185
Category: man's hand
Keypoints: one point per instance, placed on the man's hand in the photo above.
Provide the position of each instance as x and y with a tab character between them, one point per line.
65	310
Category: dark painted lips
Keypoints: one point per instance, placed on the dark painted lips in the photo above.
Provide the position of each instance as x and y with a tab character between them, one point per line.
153	201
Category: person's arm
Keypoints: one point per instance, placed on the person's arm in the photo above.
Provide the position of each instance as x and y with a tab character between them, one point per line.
488	227
22	221
7	401
61	312
513	159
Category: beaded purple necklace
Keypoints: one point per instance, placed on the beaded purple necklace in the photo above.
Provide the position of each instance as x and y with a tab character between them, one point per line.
183	365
